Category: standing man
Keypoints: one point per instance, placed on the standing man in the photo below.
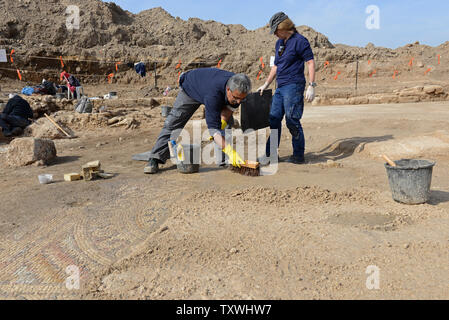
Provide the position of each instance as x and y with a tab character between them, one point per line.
221	92
15	116
292	51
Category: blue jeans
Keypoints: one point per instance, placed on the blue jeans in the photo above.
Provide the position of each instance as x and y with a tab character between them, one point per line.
288	100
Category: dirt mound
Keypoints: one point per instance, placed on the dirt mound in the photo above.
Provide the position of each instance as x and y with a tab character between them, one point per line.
43	129
108	32
299	195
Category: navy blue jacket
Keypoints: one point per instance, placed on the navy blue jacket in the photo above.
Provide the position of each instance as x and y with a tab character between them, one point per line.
208	86
17	106
290	64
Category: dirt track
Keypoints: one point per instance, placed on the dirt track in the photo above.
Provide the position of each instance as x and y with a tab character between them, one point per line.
310	231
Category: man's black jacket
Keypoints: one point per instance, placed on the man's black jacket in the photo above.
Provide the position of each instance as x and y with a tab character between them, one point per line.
17	106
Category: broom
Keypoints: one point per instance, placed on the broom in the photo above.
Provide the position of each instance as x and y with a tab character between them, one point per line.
249	168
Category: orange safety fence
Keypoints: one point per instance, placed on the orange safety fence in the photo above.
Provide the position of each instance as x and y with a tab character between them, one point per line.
395	73
13	55
336	77
262	66
56	73
110	76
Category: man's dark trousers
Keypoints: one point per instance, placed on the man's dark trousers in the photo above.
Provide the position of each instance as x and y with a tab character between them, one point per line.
183	109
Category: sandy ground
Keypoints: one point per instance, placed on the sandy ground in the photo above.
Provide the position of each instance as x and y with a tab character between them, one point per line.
308	232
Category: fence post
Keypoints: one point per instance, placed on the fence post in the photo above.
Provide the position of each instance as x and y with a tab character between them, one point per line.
155	74
356	75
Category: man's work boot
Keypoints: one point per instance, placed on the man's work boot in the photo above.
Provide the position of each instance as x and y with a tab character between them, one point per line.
151	167
296	160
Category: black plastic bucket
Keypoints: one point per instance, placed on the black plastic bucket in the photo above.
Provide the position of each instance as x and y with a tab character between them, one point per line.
165	110
255	110
410	180
191	162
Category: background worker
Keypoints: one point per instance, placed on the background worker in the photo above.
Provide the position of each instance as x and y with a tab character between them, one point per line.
292	50
220	91
15	116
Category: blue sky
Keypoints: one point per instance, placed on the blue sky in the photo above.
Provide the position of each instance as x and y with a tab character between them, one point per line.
342	21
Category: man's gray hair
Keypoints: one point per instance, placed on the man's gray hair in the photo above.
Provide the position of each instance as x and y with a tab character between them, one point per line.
239	82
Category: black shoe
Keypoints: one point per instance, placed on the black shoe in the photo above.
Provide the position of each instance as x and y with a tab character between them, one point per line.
296	160
16	131
151	167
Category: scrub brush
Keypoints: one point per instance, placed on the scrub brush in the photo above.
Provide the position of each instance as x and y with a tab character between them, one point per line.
249	168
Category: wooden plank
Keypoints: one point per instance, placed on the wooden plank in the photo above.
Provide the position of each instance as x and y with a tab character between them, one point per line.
251	164
72	176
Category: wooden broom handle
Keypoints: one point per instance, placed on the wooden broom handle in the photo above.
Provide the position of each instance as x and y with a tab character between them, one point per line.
391	163
57	126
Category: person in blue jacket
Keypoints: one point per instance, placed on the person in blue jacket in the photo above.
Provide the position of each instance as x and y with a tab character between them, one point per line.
221	92
292	51
15	116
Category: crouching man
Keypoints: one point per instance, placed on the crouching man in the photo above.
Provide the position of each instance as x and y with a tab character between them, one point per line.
221	92
15	116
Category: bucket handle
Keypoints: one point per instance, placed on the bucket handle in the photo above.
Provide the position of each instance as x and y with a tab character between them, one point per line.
388	160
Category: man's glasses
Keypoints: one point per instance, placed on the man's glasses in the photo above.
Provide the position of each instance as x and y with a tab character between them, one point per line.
281	50
236	99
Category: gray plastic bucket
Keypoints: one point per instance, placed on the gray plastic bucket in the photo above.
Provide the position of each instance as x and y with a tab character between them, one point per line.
410	180
191	163
165	110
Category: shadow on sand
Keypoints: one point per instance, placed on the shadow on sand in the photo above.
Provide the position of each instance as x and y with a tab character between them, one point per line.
343	148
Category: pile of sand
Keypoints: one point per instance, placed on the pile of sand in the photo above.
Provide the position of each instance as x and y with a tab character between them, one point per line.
108	32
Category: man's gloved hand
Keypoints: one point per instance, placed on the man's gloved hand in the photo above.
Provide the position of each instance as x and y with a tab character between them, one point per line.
310	94
223	124
234	157
262	88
